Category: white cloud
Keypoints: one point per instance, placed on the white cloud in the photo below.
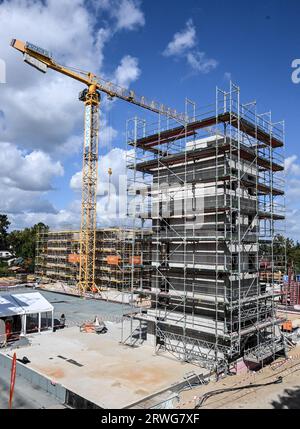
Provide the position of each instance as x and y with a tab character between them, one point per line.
112	197
127	72
116	160
46	107
14	201
44	118
25	179
103	36
26	208
45	110
293	189
292	171
293	224
63	219
73	40
182	41
227	76
200	63
29	172
128	15
184	45
291	167
107	133
292	179
73	144
48	114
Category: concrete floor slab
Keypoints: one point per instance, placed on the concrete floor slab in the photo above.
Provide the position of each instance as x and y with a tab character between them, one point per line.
110	375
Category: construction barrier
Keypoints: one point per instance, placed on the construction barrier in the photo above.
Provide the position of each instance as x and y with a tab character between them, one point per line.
287	326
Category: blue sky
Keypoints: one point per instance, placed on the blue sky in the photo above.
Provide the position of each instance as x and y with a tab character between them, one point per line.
131	42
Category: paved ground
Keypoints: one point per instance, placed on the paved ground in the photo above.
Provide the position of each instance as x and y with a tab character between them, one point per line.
26	395
78	310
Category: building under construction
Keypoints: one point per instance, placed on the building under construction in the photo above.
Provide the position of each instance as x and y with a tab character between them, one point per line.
213	188
57	257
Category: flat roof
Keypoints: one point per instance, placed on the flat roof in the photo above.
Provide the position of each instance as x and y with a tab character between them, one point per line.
183	131
109	374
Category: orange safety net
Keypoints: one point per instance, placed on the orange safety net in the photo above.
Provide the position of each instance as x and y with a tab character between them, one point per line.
74	258
135	260
113	260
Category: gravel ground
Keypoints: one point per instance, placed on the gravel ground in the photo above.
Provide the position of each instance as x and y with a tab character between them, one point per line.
277	396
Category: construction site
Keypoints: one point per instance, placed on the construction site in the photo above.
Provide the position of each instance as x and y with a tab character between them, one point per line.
58	258
194	299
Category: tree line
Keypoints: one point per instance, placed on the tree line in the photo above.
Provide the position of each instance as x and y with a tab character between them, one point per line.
21	243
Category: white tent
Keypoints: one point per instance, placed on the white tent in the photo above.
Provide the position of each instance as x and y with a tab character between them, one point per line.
27	306
9	307
33	302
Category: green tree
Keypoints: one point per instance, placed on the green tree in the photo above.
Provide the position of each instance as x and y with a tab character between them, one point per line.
23	243
289	249
4	225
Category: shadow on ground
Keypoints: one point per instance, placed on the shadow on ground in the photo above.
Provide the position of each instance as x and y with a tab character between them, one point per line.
289	400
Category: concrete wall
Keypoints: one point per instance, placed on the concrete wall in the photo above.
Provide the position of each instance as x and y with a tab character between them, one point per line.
36	379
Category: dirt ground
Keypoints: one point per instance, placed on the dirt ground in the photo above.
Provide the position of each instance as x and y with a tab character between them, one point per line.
277	396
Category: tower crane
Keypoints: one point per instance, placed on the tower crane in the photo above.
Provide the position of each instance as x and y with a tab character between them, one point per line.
42	59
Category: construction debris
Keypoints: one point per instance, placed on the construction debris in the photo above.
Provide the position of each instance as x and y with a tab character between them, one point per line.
97	327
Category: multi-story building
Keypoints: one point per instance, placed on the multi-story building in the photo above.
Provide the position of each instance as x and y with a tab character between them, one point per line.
57	257
213	188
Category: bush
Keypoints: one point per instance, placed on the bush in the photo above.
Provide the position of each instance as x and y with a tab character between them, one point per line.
4	270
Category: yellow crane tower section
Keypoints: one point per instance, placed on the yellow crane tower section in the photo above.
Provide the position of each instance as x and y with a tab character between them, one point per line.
42	59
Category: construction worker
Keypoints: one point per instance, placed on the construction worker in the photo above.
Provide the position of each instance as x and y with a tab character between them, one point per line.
62	321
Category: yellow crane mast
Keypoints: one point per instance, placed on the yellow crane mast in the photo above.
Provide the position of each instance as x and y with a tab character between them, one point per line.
42	59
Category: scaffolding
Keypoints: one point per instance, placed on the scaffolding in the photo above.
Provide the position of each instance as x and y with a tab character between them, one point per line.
114	259
40	252
213	191
58	257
